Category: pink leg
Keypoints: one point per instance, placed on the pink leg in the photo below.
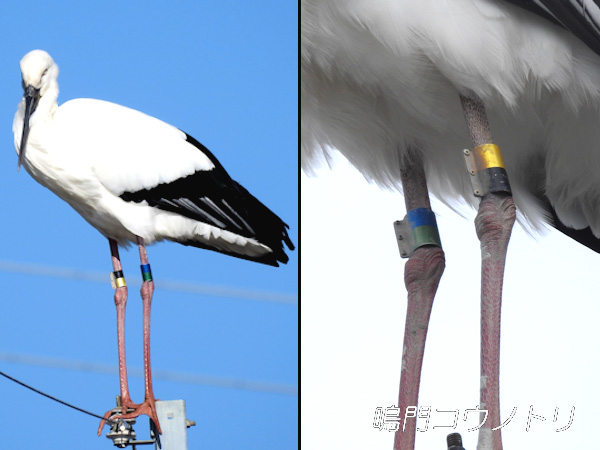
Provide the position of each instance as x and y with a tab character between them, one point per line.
422	274
120	302
494	222
147	290
148	407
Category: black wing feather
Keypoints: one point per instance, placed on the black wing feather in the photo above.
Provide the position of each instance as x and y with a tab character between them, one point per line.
580	20
213	197
573	15
584	237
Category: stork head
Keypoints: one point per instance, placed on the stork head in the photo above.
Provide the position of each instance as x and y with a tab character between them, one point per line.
39	73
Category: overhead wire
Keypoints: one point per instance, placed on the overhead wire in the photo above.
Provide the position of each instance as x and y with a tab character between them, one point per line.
62	402
165	375
168	285
157	374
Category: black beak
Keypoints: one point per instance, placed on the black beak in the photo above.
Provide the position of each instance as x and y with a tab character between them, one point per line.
32	98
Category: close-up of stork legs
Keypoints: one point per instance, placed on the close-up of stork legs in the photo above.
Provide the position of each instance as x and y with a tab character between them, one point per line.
148	406
493	224
422	274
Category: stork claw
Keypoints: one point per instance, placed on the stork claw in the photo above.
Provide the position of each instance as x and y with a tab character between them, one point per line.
148	408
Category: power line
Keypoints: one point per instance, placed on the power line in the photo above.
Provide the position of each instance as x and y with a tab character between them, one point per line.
62	402
165	375
167	285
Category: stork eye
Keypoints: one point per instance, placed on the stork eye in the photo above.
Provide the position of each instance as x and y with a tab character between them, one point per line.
45	72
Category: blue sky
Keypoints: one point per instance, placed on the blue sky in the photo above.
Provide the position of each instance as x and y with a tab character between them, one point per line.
226	73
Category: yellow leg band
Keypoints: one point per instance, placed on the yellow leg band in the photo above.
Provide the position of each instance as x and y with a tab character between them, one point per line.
486	167
117	279
487	156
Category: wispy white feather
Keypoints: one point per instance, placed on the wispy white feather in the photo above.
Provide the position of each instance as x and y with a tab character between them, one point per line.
380	76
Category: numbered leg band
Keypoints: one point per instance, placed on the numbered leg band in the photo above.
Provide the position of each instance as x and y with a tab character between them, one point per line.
486	167
418	228
117	279
146	272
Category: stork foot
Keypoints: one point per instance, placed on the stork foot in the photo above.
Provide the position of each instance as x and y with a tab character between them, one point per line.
133	410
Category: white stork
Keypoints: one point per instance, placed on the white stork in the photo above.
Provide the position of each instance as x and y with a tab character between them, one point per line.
389	84
136	179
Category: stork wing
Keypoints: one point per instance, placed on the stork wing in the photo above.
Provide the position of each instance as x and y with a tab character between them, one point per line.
213	197
580	17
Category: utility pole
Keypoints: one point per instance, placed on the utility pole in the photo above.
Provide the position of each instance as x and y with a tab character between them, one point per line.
174	425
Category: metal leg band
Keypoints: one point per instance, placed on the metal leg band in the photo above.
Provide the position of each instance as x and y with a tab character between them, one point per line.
418	228
146	272
117	279
486	167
